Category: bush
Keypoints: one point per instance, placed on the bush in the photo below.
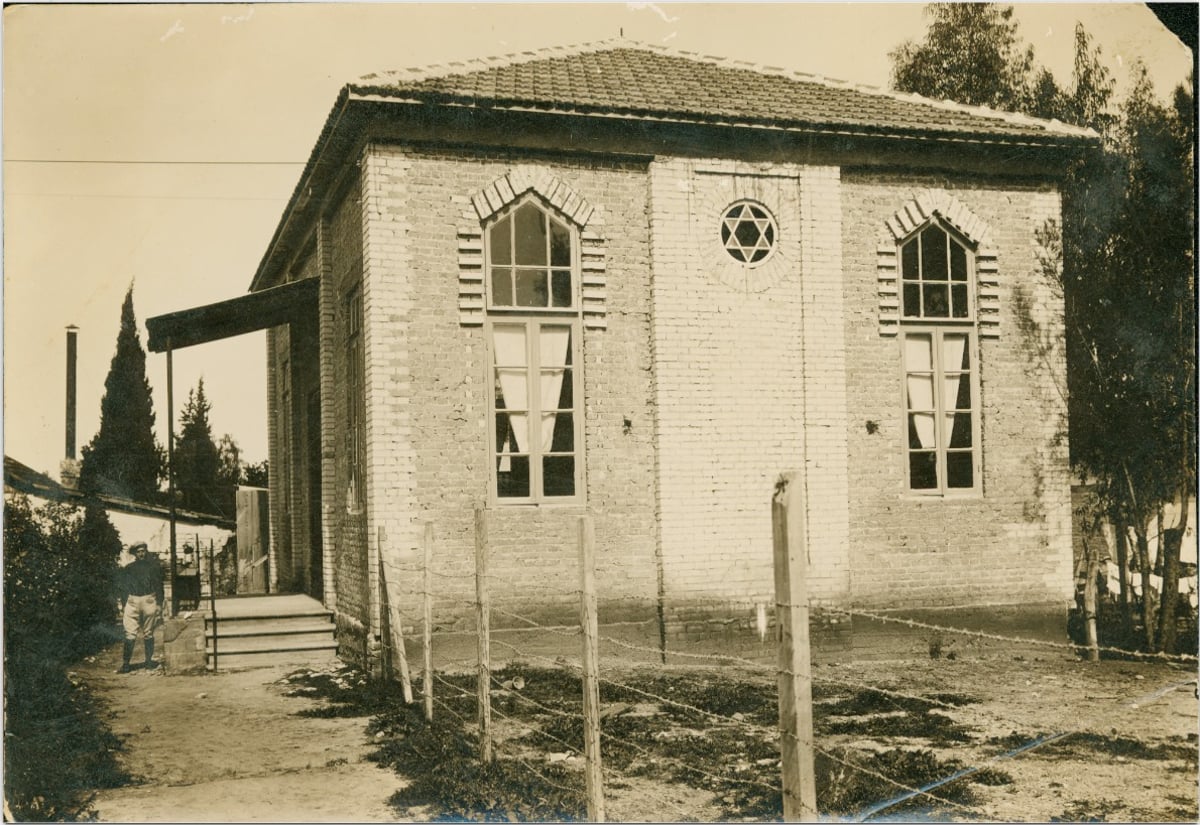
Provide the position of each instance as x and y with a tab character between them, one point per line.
60	603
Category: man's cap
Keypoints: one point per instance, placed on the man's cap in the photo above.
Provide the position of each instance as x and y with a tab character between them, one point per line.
136	546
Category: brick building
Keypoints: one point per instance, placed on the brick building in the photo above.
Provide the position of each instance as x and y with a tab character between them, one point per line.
641	284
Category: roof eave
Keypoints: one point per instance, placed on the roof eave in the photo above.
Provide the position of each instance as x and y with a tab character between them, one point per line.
352	95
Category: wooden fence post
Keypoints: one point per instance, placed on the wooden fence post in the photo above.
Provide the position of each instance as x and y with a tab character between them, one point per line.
483	625
591	666
795	667
427	610
392	638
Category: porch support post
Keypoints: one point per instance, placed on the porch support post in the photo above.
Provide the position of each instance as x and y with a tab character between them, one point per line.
171	474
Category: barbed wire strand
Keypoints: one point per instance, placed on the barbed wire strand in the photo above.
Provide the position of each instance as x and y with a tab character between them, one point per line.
959	631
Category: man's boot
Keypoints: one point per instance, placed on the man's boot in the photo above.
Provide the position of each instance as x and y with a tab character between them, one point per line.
150	653
126	655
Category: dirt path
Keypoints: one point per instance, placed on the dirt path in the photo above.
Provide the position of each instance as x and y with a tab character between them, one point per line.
231	747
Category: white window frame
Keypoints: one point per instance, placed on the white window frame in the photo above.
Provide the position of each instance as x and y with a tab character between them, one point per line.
940	407
970	252
535	452
936	328
554	215
533	319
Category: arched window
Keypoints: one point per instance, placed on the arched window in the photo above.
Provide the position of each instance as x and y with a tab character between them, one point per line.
532	261
531	255
939	346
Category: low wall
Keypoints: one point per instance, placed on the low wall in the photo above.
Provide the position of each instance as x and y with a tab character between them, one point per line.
183	647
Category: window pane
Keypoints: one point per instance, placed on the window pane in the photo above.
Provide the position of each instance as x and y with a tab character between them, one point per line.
958	295
937	304
531	288
955	354
912	300
558	475
500	238
908	261
566	396
560	244
933	255
531	237
508	342
958	425
502	294
920	431
918	352
922	471
957	392
959	470
958	262
560	287
561	427
510	388
920	392
554	346
512	476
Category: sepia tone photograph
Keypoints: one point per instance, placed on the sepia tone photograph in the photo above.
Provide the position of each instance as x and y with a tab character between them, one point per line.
679	412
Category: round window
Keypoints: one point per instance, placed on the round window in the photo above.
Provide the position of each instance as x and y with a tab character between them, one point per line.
748	232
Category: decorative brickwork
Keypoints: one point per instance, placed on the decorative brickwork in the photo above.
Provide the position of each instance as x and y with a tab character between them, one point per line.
554	191
907	220
1011	543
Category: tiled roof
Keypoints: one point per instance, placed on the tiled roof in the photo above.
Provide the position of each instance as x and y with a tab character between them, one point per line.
633	80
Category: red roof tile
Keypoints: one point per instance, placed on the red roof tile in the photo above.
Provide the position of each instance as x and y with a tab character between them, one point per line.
648	82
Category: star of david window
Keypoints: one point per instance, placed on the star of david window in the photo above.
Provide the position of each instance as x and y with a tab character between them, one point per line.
748	232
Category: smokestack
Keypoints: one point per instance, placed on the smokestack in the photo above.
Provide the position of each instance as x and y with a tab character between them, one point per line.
69	468
72	330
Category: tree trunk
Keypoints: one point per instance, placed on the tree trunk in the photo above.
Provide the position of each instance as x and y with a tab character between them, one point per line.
1123	568
1172	541
1148	604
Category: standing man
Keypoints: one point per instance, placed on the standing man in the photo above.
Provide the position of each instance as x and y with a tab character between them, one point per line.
141	595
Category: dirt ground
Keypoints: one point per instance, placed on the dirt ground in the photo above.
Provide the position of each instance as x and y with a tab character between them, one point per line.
232	747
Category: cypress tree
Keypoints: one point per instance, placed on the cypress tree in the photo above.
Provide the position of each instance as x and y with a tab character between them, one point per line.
124	458
197	460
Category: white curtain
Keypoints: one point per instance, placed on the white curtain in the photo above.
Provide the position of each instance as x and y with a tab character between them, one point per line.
513	371
554	343
918	358
952	358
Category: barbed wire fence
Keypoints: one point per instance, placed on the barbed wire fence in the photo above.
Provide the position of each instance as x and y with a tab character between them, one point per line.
579	733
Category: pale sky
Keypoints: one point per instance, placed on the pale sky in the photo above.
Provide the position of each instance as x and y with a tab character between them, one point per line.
159	143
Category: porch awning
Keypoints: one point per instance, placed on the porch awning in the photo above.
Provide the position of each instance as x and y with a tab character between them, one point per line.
249	313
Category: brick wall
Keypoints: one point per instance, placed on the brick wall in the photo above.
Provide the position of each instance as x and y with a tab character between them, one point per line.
707	376
1012	543
750	375
428	409
342	243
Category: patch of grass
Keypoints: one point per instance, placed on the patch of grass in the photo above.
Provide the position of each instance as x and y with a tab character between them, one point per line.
935	727
842	789
871	701
441	762
1087	745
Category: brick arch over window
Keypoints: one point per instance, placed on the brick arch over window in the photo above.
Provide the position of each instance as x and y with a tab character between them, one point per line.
907	220
566	202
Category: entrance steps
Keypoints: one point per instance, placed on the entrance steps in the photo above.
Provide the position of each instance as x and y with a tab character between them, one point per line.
264	631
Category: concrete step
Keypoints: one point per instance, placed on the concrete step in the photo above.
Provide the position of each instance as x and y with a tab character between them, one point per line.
239	631
297	658
251	644
242	625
